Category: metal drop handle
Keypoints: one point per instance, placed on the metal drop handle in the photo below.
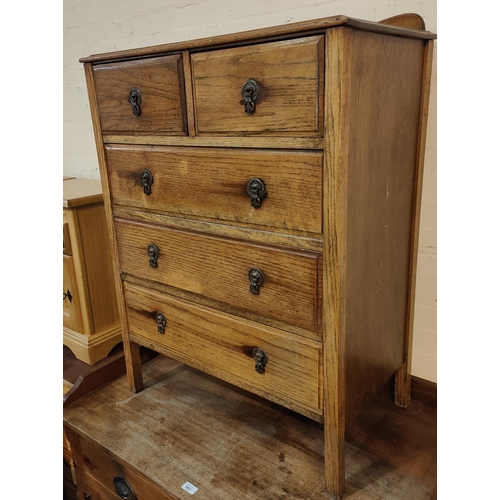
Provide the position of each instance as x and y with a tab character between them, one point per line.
256	190
261	359
250	92
146	181
123	489
256	277
161	322
135	99
154	253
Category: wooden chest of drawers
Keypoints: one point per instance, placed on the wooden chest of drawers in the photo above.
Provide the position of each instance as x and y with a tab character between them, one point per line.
263	191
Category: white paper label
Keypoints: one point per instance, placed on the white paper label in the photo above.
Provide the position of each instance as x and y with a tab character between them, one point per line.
190	488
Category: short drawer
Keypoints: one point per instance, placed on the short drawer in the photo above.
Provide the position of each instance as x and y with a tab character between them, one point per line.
269	88
142	96
270	282
281	190
102	471
261	359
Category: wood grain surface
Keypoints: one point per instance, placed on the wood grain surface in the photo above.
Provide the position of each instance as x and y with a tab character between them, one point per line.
273	32
290	79
223	345
218	268
187	426
199	183
161	85
384	114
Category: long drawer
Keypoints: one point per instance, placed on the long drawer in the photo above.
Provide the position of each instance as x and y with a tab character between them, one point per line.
264	360
105	476
271	282
277	189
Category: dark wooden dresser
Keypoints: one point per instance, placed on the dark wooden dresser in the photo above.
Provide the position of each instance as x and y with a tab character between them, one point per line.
263	191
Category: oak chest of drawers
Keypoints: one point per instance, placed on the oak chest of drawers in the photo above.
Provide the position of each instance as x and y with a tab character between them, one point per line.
263	191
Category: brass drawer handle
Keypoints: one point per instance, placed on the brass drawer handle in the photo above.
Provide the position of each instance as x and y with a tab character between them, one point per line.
146	181
256	277
256	189
154	253
135	99
161	321
250	92
123	489
261	359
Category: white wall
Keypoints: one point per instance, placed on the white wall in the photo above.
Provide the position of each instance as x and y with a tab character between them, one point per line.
94	26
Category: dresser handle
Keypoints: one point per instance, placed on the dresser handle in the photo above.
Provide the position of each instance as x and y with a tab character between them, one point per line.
250	92
68	296
161	321
256	189
123	489
146	180
154	253
135	99
256	277
260	358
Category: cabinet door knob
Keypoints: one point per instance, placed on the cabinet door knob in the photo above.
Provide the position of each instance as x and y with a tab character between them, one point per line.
256	189
161	321
256	277
123	489
154	253
250	92
146	181
261	359
135	99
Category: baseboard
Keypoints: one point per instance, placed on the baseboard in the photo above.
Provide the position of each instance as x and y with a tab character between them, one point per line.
424	391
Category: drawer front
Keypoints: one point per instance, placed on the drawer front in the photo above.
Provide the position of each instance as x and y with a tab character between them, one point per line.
155	106
277	189
221	269
71	303
225	346
289	78
101	470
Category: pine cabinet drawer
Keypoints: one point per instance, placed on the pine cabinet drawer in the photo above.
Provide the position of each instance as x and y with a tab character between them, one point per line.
142	96
269	88
270	282
278	189
103	472
261	359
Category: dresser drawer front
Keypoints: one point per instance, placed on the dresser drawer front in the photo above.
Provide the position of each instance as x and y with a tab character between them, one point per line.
101	469
224	346
217	184
219	268
160	99
290	88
